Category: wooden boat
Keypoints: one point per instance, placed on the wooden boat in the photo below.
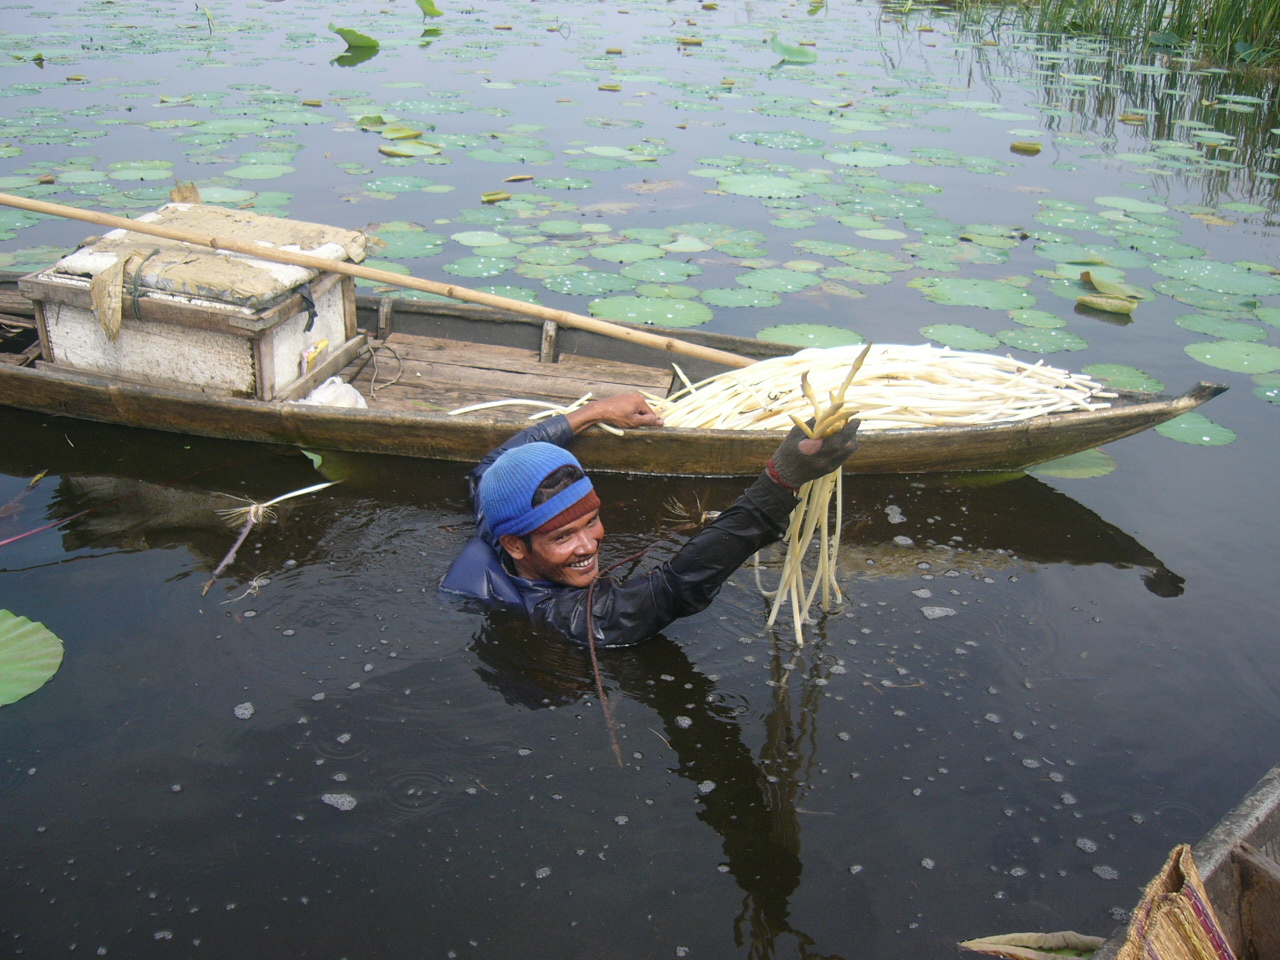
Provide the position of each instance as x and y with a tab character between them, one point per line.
414	360
1239	863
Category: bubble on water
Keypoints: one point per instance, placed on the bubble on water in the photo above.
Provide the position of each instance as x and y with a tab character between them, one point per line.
991	717
684	723
354	685
318	696
176	787
928	863
1018	872
1137	818
682	951
842	735
1069	799
343	738
250	613
163	935
1119	914
1056	777
934	613
542	873
855	869
339	777
523	752
243	711
706	786
1107	873
622	819
1087	845
902	541
340	801
924	593
368	668
1031	763
288	633
723	868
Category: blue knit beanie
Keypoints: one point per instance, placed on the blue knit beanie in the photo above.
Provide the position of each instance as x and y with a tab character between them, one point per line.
507	488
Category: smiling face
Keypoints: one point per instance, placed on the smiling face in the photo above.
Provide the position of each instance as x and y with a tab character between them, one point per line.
567	554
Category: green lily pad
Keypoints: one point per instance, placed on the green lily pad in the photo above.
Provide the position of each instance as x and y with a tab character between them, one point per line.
1196	428
1268	315
259	171
479	266
660	271
627	252
30	654
810	335
1236	355
398	184
865	159
512	293
532	155
959	337
1219	277
551	256
589	283
1036	340
1121	377
479	238
562	183
761	185
740	297
659	311
1220	328
1037	318
560	228
1130	205
1202	299
778	280
956	291
1078	466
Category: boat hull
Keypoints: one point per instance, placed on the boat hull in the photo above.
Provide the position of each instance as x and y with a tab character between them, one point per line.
1002	447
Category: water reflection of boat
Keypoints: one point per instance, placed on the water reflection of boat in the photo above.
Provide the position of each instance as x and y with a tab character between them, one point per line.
896	524
451	355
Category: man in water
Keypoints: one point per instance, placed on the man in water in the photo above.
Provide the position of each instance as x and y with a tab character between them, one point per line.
537	546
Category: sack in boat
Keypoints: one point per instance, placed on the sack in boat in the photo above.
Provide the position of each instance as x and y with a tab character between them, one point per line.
1175	920
334	392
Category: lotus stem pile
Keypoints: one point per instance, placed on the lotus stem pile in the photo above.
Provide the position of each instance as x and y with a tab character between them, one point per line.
898	386
886	387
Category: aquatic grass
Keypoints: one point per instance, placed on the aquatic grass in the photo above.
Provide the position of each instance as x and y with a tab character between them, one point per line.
1220	31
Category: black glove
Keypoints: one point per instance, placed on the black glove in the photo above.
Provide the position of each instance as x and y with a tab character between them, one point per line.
793	465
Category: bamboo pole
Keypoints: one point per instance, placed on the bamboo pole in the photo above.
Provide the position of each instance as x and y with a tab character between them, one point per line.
454	292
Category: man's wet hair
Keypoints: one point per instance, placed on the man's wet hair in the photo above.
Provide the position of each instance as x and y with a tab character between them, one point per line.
561	478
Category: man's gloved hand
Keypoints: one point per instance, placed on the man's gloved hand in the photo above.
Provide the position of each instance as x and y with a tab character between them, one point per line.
800	459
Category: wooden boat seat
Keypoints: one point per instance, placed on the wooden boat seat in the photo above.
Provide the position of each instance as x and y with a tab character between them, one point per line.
416	373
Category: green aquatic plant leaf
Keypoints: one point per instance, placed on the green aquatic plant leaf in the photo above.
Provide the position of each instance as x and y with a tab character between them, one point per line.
810	335
739	297
429	8
1219	277
959	337
354	38
791	52
1196	428
1037	318
627	252
1077	466
30	654
778	280
658	311
1037	340
588	283
1220	327
1121	377
1236	355
762	185
957	291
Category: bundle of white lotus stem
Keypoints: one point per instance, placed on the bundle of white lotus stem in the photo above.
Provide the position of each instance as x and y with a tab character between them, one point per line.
888	386
898	386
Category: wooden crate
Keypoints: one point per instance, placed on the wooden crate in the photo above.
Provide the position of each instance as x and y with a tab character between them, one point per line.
201	319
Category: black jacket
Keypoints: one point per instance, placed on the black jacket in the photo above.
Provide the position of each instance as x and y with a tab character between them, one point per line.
627	611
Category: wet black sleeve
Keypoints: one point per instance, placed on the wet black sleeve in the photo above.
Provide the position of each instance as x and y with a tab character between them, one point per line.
629	611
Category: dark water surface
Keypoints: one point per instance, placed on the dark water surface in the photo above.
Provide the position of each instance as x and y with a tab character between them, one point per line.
1105	684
